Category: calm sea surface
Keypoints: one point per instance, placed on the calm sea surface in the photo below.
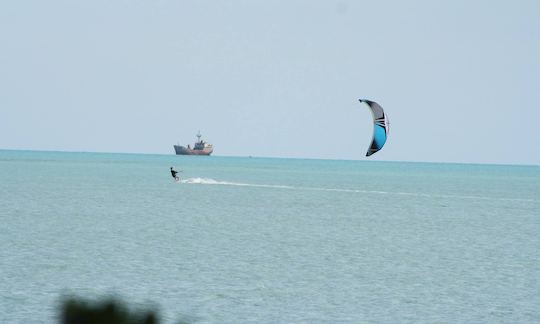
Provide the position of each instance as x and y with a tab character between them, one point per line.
256	240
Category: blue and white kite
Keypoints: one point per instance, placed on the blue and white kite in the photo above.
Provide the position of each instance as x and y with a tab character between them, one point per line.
380	126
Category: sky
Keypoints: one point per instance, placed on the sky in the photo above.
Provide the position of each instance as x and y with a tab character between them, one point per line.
459	80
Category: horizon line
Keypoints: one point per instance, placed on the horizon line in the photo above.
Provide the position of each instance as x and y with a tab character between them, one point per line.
276	157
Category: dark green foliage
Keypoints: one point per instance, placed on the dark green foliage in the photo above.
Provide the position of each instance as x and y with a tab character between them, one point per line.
75	311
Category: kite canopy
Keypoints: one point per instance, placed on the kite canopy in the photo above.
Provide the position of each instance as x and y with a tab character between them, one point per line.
380	126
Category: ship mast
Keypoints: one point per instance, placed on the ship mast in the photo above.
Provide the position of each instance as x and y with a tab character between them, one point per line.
199	136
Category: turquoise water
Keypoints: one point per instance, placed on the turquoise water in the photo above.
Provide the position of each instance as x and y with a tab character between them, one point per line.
256	240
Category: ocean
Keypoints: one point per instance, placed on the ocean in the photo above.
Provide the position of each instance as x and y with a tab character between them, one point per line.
267	240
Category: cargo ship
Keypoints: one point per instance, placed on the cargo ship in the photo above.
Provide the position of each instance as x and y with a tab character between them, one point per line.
199	148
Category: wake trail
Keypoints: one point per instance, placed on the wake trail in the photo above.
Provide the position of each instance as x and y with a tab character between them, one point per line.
208	181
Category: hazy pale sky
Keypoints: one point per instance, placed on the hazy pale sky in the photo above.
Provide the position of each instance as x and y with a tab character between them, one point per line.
459	79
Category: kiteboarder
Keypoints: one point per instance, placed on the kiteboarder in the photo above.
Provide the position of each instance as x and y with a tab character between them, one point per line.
173	173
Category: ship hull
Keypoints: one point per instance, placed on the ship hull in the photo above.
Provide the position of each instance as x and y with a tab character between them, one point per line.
182	150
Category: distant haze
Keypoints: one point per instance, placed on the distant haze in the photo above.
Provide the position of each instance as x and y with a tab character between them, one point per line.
460	80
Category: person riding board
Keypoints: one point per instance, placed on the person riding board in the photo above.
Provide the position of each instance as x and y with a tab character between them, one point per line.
173	173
